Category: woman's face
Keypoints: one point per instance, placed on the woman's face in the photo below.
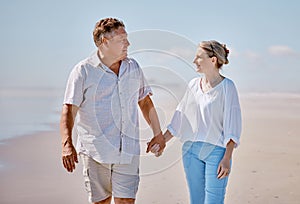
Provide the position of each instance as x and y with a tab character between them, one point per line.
202	61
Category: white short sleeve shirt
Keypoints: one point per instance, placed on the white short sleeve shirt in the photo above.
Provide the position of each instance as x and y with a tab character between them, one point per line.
107	122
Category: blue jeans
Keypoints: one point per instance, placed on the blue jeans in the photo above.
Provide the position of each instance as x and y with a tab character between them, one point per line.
200	161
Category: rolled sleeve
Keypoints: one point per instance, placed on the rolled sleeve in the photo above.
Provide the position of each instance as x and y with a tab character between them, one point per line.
145	89
234	138
183	125
75	87
233	126
233	118
145	92
172	130
175	124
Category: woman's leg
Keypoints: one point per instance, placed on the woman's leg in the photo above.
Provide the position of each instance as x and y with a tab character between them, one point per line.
194	170
215	188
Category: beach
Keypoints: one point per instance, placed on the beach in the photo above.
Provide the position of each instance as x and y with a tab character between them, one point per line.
265	166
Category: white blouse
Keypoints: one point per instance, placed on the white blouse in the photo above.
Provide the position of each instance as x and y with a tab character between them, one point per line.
213	117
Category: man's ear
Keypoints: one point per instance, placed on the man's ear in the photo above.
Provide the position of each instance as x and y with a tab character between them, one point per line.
98	43
101	41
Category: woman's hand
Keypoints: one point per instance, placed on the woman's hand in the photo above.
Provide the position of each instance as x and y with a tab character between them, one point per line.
223	168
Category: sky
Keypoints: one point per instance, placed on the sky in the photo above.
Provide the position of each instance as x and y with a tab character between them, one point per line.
41	41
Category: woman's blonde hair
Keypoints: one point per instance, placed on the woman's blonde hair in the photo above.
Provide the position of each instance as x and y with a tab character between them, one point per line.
215	49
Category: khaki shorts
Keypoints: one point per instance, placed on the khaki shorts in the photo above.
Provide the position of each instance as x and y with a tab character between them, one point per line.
105	180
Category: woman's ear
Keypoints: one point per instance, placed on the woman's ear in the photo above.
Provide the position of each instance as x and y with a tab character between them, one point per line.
214	59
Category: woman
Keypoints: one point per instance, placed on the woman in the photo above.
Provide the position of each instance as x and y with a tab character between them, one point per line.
208	120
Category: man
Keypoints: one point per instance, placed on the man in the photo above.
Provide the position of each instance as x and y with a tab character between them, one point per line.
104	92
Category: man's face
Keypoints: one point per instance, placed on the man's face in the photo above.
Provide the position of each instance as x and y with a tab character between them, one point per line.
117	44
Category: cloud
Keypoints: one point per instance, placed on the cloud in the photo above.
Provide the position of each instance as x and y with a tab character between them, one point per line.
252	55
281	50
233	52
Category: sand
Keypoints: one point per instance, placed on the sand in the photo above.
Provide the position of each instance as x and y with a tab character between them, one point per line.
265	167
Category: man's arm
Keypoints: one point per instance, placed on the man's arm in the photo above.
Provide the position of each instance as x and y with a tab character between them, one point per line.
69	154
150	115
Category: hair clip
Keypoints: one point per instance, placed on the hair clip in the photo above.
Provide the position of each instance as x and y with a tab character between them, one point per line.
225	48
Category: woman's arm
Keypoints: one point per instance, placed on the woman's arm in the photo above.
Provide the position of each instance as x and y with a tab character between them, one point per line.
168	136
224	166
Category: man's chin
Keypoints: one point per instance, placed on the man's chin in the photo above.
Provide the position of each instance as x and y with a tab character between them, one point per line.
123	57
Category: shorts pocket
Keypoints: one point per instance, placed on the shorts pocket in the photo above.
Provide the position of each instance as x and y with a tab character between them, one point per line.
87	183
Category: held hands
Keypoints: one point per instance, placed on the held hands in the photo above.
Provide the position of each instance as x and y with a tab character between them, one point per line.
69	156
157	145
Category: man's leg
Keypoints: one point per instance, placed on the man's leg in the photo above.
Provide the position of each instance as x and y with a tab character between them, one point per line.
97	178
125	181
106	201
124	200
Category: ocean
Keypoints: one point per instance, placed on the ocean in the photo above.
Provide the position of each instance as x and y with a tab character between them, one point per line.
25	111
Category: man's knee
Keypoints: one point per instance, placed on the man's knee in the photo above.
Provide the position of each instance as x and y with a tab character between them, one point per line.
124	200
106	201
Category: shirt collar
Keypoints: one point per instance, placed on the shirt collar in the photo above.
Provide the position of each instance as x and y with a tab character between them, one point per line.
96	62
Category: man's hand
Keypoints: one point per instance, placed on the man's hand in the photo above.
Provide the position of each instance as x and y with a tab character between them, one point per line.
157	145
69	156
